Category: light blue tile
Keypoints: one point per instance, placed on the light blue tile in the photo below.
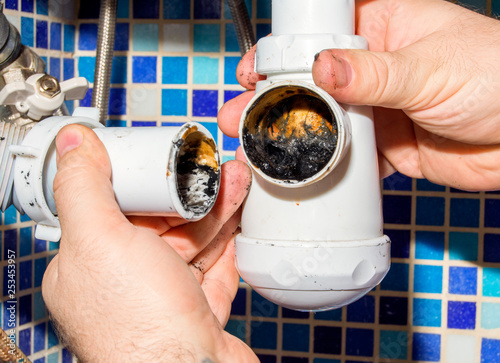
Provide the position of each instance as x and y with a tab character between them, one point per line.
69	38
491	281
490	315
174	102
230	65
427	312
428	279
205	70
429	245
393	344
174	70
145	38
27	33
86	68
212	128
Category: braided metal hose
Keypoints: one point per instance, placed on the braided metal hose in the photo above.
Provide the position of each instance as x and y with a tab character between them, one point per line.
242	24
104	57
6	349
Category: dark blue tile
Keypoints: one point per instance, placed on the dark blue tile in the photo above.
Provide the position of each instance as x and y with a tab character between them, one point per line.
461	315
397	278
400	242
426	186
359	342
207	9
122	11
205	103
8	313
55	67
495	8
428	279
230	64
42	38
40	360
327	340
87	39
27	5
40	266
398	181
11	4
146	9
122	36
263	30
463	280
40	245
25	316
144	69
263	9
90	10
476	5
264	335
119	70
6	284
453	190
68	68
296	337
397	209
294	360
176	9
287	313
262	307
117	101
25	341
362	310
143	123
66	356
429	245
239	305
430	211
229	95
9	243
42	7
230	143
231	39
25	275
491	248
264	358
426	347
331	315
490	350
492	213
393	310
52	339
463	246
55	36
464	212
39	337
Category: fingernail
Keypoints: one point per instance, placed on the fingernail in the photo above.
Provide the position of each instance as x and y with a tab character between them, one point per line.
342	72
69	138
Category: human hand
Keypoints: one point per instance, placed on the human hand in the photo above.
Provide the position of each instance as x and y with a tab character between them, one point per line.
140	289
432	71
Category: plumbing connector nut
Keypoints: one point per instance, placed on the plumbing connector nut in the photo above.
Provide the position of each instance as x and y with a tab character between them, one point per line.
48	86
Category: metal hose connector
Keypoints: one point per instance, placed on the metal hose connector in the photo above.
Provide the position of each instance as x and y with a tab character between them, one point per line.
9	352
242	24
104	57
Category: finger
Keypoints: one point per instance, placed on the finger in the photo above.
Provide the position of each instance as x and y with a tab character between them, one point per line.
83	193
188	240
156	225
240	155
220	284
245	72
229	115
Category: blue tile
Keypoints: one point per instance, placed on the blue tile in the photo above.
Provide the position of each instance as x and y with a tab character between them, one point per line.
427	312
238	328
207	9
227	11
230	143
262	307
393	310
495	7
86	68
70	105
429	245
327	340
25	275
146	9
230	70
294	314
295	337
397	278
206	38
266	358
464	212
492	213
428	279
39	337
69	38
85	102
231	44
42	31
40	360
144	69
145	37
25	241
491	281
463	280
393	344
430	211
27	33
176	9
476	5
52	340
362	310
68	68
426	347
9	243
122	9
55	67
174	102
491	248
264	335
323	360
40	245
174	70
42	7
294	360
239	305
205	103
9	317
90	10
11	4
398	181
461	315
10	215
426	186
359	342
263	9
24	304
27	6
117	101
40	266
55	36
490	350
143	123
25	341
229	95
400	242
116	123
205	70
331	315
122	36
87	37
66	356
263	30
397	209
39	311
463	246
212	128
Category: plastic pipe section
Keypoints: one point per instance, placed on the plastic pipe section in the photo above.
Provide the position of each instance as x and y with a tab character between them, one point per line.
162	171
312	223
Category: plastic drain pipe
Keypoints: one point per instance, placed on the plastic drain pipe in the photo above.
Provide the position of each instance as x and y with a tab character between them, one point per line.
312	223
157	171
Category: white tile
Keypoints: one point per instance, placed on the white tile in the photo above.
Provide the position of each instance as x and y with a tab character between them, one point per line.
143	102
176	38
460	349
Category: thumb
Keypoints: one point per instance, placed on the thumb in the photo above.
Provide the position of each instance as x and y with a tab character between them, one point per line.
387	79
83	192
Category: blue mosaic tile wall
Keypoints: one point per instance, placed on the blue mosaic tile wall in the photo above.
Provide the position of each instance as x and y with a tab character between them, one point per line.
175	61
